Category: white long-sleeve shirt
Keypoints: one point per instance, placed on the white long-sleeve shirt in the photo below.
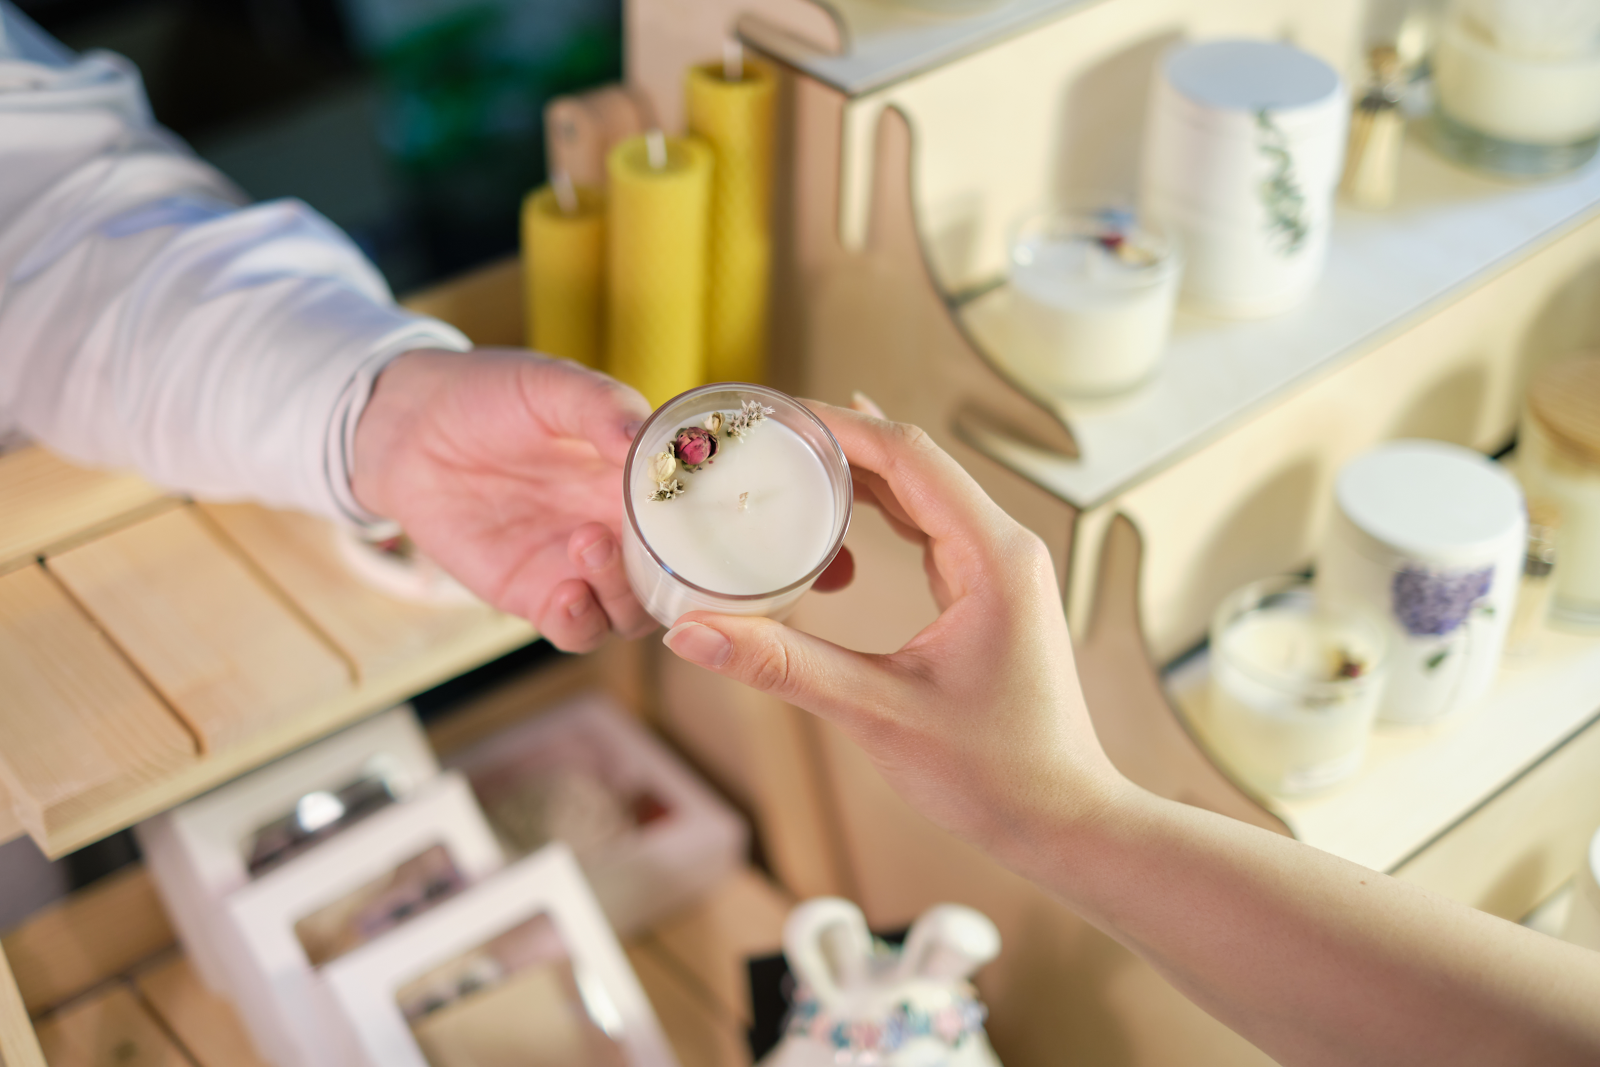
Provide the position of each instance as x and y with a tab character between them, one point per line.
149	319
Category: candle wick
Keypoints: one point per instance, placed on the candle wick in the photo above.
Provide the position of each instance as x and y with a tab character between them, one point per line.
744	501
655	146
732	61
566	195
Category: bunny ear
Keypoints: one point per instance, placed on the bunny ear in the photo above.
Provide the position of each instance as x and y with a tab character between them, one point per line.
827	945
948	941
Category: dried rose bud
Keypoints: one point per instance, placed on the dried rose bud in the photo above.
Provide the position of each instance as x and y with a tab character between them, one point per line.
694	445
662	467
714	422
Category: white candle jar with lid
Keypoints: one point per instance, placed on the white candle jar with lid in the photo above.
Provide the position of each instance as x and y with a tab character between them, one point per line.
1092	293
1517	85
1559	458
1430	537
1243	151
736	499
1295	685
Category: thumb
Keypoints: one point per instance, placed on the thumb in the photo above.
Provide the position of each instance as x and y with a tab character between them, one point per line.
575	401
817	675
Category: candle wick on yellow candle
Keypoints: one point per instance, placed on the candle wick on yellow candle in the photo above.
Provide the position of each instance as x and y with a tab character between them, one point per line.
655	146
732	61
566	195
744	501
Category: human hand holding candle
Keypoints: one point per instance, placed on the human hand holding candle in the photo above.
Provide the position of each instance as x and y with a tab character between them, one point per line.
979	723
503	466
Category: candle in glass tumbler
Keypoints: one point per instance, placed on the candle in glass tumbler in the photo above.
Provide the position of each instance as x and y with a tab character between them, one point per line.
1294	687
737	498
1092	298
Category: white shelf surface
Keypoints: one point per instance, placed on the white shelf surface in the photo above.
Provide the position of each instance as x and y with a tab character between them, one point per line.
1418	782
1449	231
886	42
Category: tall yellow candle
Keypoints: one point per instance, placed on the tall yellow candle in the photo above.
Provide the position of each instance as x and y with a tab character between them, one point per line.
735	116
563	270
656	263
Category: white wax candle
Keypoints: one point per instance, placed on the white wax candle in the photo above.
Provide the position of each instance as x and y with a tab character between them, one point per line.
748	530
1526	100
756	518
1280	713
1085	320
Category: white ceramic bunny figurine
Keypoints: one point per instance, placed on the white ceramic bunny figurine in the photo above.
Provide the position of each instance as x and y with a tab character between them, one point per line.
861	1002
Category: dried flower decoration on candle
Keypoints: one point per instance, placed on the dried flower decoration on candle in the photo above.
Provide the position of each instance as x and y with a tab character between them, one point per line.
1115	225
694	445
750	413
663	471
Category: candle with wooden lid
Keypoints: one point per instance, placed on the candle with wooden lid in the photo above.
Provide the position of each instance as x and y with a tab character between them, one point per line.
731	106
563	271
737	498
656	243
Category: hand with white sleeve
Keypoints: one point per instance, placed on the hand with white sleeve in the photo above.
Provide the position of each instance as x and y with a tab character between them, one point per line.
505	467
979	723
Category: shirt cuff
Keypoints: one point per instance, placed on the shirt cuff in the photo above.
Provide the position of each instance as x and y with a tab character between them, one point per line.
339	452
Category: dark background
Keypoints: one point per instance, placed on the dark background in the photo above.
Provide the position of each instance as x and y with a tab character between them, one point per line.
413	124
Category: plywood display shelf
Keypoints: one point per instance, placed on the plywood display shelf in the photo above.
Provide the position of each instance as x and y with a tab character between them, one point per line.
103	982
1540	721
882	43
1449	232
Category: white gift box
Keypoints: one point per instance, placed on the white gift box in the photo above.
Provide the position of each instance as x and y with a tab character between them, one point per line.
199	852
365	986
644	872
1429	537
272	977
1244	146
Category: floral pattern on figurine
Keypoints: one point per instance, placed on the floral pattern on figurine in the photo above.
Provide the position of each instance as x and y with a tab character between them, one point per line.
865	1039
1437	602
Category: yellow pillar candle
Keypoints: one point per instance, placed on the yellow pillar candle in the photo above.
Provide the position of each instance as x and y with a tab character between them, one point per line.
563	270
735	116
656	263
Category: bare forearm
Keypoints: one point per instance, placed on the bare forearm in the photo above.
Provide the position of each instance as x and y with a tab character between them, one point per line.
1314	959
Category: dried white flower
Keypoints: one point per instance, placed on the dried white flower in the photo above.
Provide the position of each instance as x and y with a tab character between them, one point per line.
750	413
667	490
662	467
714	421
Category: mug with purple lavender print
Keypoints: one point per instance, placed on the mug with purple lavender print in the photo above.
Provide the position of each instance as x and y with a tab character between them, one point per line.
1428	536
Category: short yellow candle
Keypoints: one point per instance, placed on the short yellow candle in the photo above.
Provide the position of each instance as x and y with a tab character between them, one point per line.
735	116
656	241
563	266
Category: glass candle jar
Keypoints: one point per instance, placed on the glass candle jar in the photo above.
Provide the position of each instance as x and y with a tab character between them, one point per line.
1295	685
1559	458
1092	293
1517	85
736	499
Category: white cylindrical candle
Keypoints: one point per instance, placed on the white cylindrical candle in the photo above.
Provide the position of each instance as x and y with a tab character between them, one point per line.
1243	151
1430	537
1559	457
747	530
1508	109
1091	301
1294	687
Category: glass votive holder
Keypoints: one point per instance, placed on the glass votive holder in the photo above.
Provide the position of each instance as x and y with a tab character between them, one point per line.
1092	293
1295	685
736	499
1513	105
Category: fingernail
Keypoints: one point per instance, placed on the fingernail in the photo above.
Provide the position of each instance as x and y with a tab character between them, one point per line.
598	554
866	405
578	607
632	428
698	644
